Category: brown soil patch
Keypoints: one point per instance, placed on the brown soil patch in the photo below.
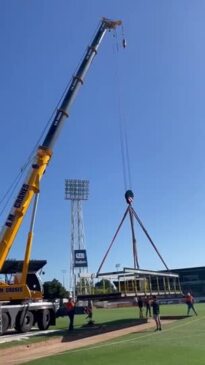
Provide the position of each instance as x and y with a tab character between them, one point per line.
69	341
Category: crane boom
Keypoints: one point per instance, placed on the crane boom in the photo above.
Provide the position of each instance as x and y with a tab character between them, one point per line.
30	186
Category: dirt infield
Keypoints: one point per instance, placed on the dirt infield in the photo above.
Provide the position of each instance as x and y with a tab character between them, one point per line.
69	341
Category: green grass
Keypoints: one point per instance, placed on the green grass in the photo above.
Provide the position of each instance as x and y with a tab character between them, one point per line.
180	342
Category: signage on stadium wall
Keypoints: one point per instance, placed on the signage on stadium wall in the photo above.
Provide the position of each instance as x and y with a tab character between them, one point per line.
80	258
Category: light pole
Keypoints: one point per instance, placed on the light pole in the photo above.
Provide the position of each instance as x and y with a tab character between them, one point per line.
76	191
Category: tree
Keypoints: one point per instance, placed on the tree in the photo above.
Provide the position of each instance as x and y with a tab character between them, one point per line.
54	290
104	285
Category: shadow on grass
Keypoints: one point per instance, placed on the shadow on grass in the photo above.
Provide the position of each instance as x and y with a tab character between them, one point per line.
94	329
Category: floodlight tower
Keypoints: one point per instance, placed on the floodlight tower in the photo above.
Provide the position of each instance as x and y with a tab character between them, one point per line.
76	191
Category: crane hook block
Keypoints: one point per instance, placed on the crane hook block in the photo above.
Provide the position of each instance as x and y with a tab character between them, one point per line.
129	196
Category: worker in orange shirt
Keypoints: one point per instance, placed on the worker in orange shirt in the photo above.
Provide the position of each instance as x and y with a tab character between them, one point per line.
70	306
189	299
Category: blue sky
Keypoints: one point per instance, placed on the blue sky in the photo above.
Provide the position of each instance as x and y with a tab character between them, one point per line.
155	87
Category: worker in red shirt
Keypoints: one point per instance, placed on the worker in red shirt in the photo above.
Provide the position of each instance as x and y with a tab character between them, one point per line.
189	299
70	306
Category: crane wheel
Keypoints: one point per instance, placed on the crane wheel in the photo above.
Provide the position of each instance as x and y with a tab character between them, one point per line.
5	322
24	321
43	319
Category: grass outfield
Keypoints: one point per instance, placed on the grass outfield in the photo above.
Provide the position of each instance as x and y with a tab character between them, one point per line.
129	314
180	342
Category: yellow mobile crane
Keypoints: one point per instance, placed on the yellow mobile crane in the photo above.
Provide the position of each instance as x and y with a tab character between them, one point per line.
21	303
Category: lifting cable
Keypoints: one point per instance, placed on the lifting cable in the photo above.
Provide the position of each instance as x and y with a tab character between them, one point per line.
124	144
122	119
149	238
126	171
126	158
111	243
124	151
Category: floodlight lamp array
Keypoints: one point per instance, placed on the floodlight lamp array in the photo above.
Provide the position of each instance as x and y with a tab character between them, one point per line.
76	189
